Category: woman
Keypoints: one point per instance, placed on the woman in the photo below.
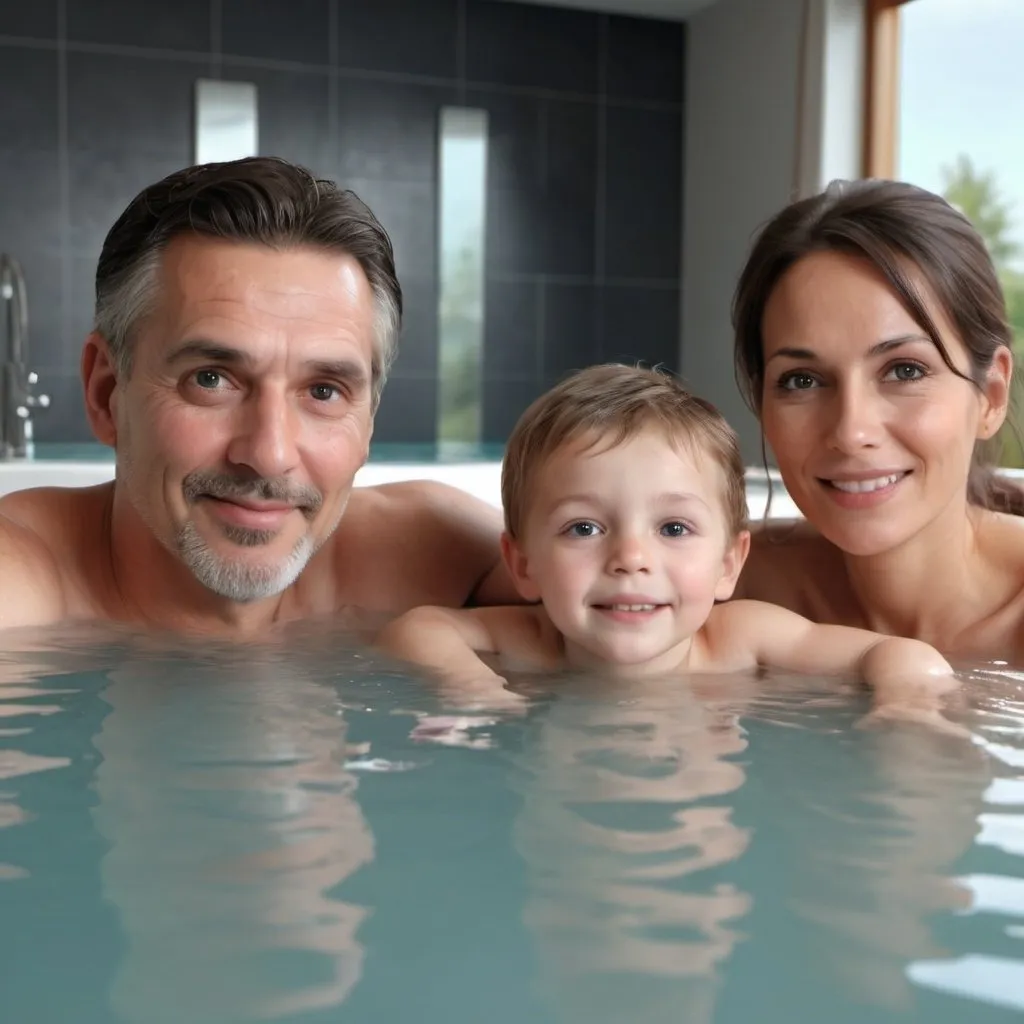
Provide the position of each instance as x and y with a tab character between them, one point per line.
872	341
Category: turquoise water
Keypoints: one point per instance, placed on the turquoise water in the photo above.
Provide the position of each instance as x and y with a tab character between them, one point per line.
297	833
382	452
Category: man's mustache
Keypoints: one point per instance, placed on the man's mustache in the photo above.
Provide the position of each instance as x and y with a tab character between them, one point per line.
208	484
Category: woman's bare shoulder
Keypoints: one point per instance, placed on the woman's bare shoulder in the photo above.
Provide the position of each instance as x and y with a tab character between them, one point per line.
792	565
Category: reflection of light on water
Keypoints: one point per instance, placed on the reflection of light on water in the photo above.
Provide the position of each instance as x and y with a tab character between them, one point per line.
984	977
623	924
231	820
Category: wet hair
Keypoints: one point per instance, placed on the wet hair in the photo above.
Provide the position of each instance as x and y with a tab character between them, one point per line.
258	200
909	235
607	405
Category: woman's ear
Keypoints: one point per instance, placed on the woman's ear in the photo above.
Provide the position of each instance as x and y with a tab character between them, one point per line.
518	568
99	379
996	393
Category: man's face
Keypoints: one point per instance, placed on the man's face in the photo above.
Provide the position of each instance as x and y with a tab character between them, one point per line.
248	408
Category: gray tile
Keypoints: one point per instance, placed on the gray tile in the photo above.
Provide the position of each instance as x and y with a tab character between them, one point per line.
64	421
102	186
643	198
417	352
184	25
571	339
137	105
389	130
504	401
541	208
294	30
292	113
407	36
408	412
645	59
35	20
640	325
407	210
512	330
42	269
28	85
30	211
516	138
528	46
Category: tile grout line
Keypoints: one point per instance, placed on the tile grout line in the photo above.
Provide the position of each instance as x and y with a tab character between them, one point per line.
64	174
601	177
333	89
216	38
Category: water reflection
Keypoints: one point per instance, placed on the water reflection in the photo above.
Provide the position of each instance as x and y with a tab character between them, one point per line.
231	819
626	825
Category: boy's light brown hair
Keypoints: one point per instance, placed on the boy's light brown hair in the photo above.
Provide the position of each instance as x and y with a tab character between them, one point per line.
616	402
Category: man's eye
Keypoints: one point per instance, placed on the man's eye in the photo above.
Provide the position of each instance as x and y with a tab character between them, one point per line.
324	392
208	379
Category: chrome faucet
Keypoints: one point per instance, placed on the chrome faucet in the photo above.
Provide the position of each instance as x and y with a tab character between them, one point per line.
16	380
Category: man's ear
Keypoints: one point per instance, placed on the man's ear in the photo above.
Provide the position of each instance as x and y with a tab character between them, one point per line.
732	565
515	561
996	393
99	379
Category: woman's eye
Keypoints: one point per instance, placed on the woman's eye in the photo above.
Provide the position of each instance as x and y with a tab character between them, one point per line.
906	371
675	530
324	392
584	529
208	379
797	382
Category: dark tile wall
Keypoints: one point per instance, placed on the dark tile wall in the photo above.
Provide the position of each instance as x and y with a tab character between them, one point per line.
584	176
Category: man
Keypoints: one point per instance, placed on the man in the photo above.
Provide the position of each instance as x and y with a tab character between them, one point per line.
246	318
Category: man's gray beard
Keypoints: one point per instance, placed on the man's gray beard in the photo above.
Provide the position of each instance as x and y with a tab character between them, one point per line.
238	581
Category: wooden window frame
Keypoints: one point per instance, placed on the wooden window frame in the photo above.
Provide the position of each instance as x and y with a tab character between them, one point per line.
882	80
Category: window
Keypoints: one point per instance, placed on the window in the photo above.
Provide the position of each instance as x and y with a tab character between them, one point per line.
946	106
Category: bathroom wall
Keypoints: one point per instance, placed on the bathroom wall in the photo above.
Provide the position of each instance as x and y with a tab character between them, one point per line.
584	177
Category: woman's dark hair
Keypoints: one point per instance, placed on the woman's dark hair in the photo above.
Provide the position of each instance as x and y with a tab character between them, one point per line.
904	232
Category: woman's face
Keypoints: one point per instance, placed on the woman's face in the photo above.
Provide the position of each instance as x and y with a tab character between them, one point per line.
873	433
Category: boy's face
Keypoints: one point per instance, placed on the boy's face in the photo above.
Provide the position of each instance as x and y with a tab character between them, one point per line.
628	548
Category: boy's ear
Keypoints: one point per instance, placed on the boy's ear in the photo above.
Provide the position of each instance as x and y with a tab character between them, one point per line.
515	561
732	565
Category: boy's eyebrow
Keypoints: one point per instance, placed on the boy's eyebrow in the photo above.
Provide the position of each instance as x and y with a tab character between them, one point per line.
880	349
664	498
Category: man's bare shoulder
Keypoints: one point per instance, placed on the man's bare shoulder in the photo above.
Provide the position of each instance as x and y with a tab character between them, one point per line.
424	542
47	536
30	587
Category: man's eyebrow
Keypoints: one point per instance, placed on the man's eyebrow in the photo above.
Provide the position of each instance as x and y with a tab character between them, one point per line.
886	345
207	350
349	370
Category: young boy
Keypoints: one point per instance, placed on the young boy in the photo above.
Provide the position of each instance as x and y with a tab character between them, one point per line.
626	519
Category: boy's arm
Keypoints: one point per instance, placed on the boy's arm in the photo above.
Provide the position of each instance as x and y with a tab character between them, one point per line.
903	673
445	641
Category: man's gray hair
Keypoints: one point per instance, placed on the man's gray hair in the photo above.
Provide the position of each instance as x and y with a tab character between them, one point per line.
258	200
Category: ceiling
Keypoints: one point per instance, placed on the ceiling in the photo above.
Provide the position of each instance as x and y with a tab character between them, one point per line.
669	10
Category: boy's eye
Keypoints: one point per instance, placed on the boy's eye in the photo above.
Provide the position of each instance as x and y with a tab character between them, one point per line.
675	529
583	529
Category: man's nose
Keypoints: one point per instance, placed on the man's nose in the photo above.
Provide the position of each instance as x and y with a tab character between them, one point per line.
266	439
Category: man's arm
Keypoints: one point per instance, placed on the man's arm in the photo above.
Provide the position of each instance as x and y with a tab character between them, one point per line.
30	589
